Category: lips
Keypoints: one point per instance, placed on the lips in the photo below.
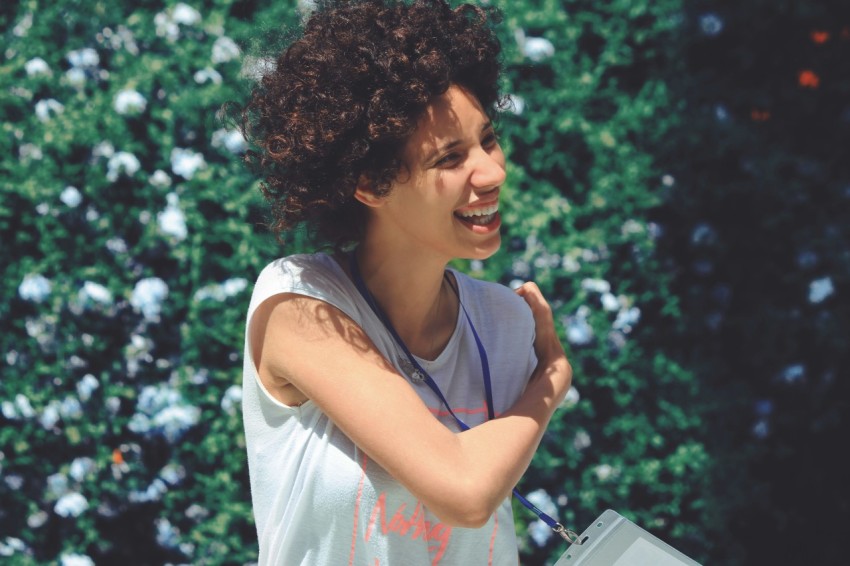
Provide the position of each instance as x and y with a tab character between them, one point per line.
479	216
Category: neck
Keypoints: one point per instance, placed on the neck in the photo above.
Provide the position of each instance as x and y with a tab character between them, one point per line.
411	291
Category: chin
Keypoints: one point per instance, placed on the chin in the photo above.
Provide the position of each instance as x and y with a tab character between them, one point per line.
487	250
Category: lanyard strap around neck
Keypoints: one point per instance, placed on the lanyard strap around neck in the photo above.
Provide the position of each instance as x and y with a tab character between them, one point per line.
419	371
421	375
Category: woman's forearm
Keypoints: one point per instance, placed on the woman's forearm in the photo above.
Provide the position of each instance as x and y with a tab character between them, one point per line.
499	451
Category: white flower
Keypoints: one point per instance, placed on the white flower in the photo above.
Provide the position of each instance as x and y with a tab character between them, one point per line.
185	14
224	49
579	332
148	295
160	179
610	302
820	289
130	102
122	162
70	408
50	415
81	467
8	410
626	319
171	220
172	474
75	560
632	226
208	74
22	28
30	152
71	196
232	140
83	58
571	399
520	268
116	245
11	545
166	27
173	421
793	373
47	107
596	285
570	264
539	532
34	287
75	76
86	386
543	501
161	411
581	441
185	162
95	292
37	66
254	68
220	292
71	505
537	48
140	424
231	399
166	534
22	403
154	492
37	519
603	471
703	234
306	7
514	104
711	24
234	286
103	149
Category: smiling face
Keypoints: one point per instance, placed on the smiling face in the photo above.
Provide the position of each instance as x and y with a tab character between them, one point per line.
445	200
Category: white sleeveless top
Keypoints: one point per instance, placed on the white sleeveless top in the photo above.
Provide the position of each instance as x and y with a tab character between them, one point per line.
317	498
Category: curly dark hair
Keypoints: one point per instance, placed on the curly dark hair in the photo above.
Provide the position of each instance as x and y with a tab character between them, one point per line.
345	95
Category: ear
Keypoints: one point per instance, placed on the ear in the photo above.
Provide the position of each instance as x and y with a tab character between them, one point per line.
366	195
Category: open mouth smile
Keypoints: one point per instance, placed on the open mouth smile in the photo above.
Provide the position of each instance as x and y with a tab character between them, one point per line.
481	216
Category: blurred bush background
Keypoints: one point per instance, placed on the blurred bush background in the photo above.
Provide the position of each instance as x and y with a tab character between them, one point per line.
679	186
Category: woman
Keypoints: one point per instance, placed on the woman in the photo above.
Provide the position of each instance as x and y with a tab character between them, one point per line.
374	129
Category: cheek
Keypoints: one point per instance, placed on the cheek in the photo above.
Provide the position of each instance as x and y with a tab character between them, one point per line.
451	182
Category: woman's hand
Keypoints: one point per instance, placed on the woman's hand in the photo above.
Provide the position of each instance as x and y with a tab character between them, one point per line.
552	361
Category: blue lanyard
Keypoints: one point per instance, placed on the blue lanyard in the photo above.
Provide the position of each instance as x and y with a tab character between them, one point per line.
419	374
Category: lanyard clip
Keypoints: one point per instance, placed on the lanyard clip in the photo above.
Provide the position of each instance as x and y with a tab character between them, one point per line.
567	534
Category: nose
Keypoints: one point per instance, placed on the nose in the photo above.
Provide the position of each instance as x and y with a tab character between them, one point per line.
489	170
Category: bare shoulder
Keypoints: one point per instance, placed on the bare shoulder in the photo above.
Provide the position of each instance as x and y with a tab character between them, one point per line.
294	336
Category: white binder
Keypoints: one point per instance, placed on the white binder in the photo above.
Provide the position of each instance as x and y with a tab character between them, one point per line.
613	540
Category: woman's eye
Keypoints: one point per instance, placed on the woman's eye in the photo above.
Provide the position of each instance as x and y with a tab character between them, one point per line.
447	160
489	140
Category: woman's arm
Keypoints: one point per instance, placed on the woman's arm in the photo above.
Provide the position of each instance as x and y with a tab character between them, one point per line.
307	344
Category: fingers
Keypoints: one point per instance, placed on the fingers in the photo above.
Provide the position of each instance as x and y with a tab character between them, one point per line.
546	343
533	297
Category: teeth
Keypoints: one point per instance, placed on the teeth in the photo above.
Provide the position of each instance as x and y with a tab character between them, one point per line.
482	211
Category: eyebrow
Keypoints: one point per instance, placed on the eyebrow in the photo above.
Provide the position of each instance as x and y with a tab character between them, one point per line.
454	143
